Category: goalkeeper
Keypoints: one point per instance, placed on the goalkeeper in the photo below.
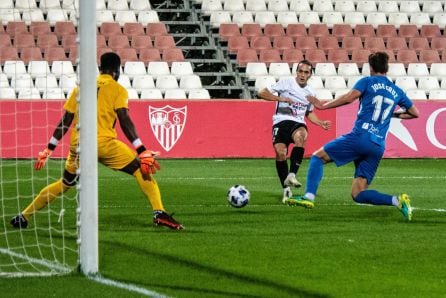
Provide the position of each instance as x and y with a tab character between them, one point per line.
112	104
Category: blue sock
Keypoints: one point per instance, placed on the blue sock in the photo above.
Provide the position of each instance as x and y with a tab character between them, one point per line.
315	173
373	197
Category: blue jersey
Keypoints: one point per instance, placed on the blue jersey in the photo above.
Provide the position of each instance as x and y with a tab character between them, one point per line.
379	97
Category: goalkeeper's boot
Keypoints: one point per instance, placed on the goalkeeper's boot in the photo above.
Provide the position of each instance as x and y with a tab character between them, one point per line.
300	201
404	206
19	222
161	218
292	181
286	194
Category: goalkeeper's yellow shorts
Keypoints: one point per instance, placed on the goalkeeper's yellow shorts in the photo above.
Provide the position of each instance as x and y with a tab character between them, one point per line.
112	153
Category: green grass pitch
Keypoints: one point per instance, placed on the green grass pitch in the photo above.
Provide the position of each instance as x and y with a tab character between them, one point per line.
266	249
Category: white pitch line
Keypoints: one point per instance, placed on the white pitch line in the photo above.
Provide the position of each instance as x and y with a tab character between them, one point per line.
128	287
274	177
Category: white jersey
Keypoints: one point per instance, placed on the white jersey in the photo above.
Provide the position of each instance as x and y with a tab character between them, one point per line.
296	112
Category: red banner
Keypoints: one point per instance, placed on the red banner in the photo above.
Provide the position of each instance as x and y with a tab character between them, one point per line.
215	128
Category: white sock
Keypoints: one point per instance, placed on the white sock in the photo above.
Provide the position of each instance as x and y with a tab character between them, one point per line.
309	196
395	201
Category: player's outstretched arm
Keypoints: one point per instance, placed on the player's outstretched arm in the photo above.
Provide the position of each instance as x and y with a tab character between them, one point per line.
410	113
148	163
325	124
267	95
59	132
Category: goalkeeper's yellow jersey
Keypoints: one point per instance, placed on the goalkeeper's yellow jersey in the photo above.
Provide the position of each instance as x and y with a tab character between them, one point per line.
111	96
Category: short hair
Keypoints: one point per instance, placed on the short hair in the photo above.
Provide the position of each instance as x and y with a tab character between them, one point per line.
306	62
379	62
110	62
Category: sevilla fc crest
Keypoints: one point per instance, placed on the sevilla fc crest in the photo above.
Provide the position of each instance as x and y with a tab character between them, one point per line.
167	124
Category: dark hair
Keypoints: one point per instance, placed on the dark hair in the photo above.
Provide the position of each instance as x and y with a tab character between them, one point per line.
110	62
306	62
379	62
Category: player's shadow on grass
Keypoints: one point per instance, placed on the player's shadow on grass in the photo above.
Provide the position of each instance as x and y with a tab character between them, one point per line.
213	272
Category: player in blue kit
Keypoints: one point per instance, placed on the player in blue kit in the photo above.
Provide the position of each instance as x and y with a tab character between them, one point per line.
365	144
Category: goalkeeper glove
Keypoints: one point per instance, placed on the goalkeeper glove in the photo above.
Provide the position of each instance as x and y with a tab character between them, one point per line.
42	158
148	163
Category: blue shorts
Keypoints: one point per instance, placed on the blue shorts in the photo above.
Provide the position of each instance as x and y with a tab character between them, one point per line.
357	148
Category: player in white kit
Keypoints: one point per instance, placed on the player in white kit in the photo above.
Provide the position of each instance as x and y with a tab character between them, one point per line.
289	123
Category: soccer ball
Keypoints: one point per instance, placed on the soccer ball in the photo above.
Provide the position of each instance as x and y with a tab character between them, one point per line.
238	196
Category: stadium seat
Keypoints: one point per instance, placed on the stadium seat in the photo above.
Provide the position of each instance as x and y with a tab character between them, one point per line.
396	43
32	15
58	68
340	92
354	18
417	70
376	18
245	56
134	68
255	5
22	81
409	6
438	43
438	70
158	68
69	41
46	82
175	94
156	29
396	69
24	40
415	94
39	28
407	31
264	82
314	82
5	40
53	93
7	93
125	16
139	42
236	43
316	56
351	81
57	15
28	93
388	6
274	30
398	18
342	30
227	30
322	5
327	43
279	69
219	17
212	5
439	94
325	69
269	55
4	82
296	30
14	67
259	43
291	56
407	56
318	30
117	5
133	94
6	4
256	69
428	83
287	18
337	56
127	54
429	57
8	53
67	82
363	31
277	6
118	42
38	68
171	55
305	43
140	5
282	43
331	18
430	31
149	54
348	69
151	94
374	44
190	82
198	94
99	53
108	29
418	44
233	5
133	29
166	82
344	6
25	4
309	17
334	83
148	16
32	53
251	30
162	42
181	68
366	6
351	43
432	7
300	5
406	83
385	31
419	19
391	54
360	56
10	15
45	41
242	17
323	94
142	82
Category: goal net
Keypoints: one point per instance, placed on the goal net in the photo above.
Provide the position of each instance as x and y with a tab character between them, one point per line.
35	79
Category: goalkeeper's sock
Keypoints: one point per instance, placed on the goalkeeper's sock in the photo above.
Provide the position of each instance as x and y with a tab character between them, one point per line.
45	197
282	170
314	175
297	154
373	197
150	189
